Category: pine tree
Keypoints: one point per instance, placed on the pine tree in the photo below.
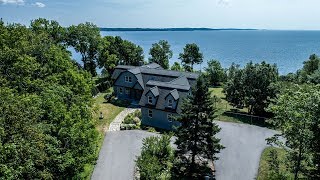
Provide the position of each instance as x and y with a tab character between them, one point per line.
196	141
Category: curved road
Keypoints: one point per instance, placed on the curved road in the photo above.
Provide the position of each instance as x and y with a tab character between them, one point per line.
239	160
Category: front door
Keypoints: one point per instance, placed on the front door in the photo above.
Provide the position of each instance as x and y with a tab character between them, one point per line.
138	94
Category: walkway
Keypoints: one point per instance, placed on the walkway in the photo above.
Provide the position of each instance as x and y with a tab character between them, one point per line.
239	160
115	124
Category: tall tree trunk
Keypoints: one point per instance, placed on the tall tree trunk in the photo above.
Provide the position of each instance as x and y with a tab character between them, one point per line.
297	168
298	164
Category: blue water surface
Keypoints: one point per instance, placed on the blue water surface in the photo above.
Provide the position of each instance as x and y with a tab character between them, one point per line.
287	49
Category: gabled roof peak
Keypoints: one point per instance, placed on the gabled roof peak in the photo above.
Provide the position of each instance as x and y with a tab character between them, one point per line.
174	93
154	91
182	80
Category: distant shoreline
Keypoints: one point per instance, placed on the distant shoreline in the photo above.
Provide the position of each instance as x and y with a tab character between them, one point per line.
175	29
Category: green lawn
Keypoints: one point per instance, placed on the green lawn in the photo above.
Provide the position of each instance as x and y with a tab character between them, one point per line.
226	113
109	111
222	106
264	167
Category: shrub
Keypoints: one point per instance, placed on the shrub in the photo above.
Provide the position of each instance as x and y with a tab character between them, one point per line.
156	158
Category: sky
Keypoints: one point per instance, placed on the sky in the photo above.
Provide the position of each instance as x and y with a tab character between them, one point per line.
260	14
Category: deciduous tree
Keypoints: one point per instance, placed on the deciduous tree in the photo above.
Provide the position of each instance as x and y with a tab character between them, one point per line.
296	114
252	87
156	158
85	39
176	67
215	73
191	55
161	53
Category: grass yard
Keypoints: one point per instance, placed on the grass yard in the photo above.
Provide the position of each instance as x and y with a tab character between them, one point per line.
225	111
264	166
222	106
109	111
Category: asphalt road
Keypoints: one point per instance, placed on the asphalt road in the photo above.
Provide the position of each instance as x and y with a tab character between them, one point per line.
238	161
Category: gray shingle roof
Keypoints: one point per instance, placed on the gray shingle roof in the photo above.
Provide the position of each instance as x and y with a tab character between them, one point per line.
155	91
161	83
152	66
168	85
175	94
169	73
161	101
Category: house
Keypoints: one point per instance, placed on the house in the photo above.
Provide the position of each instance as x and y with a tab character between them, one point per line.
159	92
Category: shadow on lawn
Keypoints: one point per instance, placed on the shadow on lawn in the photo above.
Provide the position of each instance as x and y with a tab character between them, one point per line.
248	119
118	102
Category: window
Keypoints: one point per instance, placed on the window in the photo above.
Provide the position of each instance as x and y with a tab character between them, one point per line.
120	90
170	117
150	113
170	103
149	99
189	93
127	91
128	79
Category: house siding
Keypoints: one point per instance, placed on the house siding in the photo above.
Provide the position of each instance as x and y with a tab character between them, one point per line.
159	119
121	80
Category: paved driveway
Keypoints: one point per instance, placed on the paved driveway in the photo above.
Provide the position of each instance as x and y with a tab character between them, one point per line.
238	161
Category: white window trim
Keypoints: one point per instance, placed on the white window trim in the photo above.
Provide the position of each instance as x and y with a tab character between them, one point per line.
120	90
169	103
150	112
150	97
170	117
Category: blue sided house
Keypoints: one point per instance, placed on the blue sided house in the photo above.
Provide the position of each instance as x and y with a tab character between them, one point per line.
158	92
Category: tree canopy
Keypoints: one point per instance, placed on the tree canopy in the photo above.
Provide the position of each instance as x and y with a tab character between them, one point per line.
191	55
115	50
46	129
252	86
85	39
297	115
215	73
176	67
161	53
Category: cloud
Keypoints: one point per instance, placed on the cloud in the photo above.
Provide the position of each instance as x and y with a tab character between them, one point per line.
39	4
17	2
224	2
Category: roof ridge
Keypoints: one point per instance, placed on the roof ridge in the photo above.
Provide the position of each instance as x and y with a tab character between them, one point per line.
182	72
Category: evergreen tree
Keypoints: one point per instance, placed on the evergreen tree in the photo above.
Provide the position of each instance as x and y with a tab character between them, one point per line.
196	141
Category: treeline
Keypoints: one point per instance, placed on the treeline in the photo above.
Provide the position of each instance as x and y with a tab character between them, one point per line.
46	127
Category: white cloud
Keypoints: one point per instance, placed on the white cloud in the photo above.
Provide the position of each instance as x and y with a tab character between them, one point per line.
39	4
224	2
17	2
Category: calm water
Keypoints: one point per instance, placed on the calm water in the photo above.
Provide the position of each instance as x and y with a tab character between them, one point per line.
288	49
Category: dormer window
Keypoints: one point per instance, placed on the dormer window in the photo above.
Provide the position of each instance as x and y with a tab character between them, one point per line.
128	79
150	99
170	103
